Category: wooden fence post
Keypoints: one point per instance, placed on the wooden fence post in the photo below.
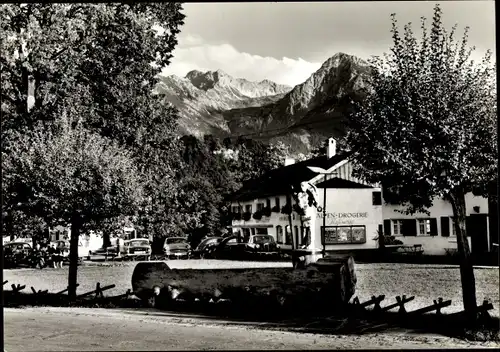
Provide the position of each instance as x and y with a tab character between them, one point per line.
398	303
401	304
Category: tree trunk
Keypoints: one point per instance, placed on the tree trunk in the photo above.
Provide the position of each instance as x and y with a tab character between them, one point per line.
73	256
106	241
457	200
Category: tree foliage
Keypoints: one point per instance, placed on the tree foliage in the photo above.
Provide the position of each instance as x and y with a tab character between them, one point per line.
58	176
428	127
96	62
212	170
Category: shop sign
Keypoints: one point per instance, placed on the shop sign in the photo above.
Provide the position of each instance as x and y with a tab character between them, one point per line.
343	218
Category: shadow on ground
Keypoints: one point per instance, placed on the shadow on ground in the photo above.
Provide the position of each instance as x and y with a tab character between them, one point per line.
350	321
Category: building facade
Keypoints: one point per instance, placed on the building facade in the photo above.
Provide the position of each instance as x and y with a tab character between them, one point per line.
353	213
435	231
356	212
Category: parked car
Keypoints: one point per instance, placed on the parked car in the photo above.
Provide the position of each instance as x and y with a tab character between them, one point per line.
255	247
137	247
16	254
261	245
108	252
206	247
177	247
129	248
228	248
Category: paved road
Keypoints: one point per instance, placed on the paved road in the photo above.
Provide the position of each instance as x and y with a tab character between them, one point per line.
66	329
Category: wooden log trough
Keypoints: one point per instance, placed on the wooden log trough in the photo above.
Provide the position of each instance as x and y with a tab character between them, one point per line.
328	283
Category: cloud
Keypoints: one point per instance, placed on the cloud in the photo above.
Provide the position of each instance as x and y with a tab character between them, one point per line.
193	53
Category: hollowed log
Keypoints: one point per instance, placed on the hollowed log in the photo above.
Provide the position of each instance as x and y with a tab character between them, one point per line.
330	282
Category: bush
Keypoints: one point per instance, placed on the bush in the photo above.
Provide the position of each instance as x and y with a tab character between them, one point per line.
275	209
247	216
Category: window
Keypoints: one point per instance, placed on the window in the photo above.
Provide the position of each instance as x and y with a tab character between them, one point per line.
306	236
248	208
424	227
397	227
268	203
246	235
453	231
288	235
277	201
279	234
289	199
260	206
377	198
236	209
344	234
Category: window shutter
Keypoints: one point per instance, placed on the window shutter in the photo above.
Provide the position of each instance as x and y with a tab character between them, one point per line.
469	226
445	226
387	227
409	227
434	227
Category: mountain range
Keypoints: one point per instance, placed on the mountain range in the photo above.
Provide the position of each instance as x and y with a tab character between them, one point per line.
303	116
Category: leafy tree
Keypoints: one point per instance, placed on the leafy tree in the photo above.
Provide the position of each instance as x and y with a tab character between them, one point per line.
17	223
70	177
256	158
104	71
428	128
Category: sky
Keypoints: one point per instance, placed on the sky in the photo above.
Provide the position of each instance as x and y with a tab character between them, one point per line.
287	42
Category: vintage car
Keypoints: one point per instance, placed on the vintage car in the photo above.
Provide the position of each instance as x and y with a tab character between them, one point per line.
16	253
177	247
261	245
206	247
228	248
137	247
130	249
255	246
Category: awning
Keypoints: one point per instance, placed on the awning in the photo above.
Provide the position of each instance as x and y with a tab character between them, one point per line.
255	226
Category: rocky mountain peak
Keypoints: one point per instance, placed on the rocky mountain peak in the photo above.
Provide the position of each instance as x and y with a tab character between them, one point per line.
220	79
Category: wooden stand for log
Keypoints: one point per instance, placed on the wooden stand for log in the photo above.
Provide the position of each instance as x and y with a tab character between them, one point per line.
328	283
18	288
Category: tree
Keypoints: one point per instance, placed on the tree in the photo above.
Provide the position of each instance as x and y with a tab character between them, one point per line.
104	72
70	177
428	127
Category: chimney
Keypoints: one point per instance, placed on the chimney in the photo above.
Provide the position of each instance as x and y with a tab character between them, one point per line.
289	161
331	148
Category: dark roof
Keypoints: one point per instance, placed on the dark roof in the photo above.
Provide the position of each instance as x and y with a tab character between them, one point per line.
280	181
336	182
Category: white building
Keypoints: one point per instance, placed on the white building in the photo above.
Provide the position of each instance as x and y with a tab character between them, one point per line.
435	232
355	212
353	209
